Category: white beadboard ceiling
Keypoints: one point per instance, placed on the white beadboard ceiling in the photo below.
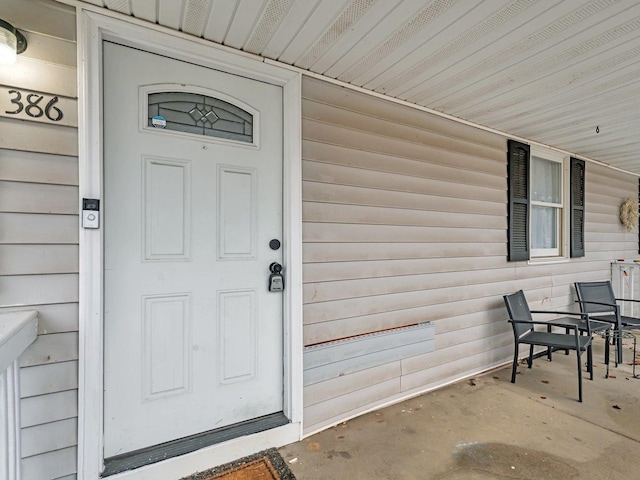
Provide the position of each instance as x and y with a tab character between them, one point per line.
564	73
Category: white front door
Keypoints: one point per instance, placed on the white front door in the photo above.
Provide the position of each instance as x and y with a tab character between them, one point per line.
192	202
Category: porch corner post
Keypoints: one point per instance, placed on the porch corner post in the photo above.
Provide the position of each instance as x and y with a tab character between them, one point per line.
293	231
89	460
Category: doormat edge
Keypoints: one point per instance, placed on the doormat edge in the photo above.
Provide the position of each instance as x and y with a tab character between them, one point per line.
272	454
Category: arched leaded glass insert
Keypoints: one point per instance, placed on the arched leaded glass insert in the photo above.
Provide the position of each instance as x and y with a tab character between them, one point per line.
199	114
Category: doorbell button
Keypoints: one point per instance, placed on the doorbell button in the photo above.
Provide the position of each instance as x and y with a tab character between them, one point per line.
90	213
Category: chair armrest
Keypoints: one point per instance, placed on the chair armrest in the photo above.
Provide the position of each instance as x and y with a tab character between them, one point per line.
612	305
627	300
575	314
584	316
550	323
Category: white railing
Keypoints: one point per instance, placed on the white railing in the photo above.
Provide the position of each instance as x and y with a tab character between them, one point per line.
625	279
17	331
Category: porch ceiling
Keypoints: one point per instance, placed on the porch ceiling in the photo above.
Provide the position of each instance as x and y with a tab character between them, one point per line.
557	72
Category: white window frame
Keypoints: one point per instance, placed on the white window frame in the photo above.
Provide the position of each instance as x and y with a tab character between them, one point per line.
563	217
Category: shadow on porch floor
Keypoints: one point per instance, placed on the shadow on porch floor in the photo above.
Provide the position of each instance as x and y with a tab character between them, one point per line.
488	428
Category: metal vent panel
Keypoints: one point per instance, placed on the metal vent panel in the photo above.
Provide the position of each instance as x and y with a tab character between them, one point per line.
121	6
348	17
564	84
406	79
295	20
246	17
543	69
458	82
195	17
399	38
269	22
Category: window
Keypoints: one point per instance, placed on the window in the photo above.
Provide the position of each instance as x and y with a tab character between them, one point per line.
199	114
546	203
547	206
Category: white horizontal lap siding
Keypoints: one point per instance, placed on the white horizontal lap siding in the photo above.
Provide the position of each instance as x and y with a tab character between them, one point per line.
604	235
39	233
405	221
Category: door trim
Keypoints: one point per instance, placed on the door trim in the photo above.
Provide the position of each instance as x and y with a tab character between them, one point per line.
93	29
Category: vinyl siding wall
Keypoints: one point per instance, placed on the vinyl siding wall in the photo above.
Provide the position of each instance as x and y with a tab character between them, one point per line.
39	233
405	221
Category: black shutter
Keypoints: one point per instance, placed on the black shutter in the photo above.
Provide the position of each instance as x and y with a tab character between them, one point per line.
518	178
577	207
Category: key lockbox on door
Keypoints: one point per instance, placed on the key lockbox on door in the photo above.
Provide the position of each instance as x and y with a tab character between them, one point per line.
276	280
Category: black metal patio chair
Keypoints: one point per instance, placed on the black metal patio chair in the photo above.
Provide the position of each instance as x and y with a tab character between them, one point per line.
598	301
524	332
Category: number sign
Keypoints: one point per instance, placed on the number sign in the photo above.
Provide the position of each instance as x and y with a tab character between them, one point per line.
37	107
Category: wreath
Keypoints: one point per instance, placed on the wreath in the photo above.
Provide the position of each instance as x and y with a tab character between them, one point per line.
629	214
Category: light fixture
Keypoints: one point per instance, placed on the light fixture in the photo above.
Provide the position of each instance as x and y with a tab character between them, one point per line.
12	42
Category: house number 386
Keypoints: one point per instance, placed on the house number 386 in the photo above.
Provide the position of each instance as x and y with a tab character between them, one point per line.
33	106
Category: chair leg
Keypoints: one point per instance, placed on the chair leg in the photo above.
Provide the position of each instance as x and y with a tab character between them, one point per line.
607	342
590	361
515	364
619	348
530	356
579	374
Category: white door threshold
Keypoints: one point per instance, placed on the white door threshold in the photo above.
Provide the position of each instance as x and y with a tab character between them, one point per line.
209	457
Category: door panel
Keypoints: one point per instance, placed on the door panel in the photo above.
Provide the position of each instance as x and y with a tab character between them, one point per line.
236	212
193	338
237	343
166	209
166	342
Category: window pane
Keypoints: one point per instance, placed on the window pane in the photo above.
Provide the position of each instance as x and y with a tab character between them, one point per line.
199	114
546	177
544	223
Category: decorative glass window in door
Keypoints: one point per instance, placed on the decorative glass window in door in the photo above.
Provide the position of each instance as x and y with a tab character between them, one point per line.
199	114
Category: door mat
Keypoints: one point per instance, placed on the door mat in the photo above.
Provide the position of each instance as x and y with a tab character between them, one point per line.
265	465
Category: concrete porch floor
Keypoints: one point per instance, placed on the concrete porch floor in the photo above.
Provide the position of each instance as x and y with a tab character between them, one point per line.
488	428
